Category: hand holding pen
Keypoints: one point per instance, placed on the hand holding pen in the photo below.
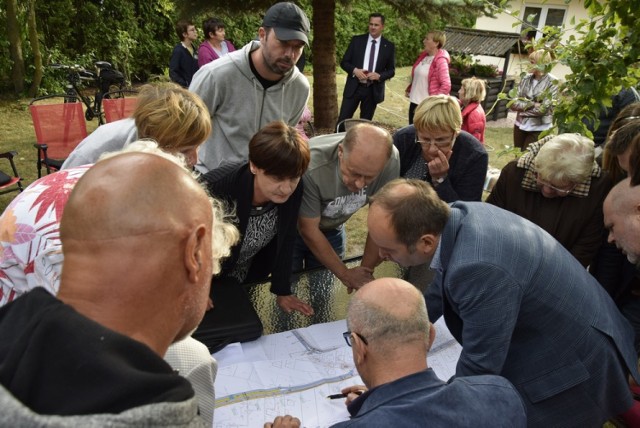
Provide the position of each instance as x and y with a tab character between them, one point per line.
350	393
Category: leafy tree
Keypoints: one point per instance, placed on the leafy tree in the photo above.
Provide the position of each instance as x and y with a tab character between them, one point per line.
35	43
15	45
135	35
603	58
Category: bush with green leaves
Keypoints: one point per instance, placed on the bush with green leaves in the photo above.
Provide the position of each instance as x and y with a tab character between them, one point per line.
602	56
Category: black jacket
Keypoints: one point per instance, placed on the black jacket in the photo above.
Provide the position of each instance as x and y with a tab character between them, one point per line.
233	183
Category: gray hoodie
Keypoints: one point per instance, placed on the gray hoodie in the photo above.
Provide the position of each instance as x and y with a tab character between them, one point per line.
181	414
240	106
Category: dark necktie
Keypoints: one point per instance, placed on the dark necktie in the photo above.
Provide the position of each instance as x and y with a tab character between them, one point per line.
372	54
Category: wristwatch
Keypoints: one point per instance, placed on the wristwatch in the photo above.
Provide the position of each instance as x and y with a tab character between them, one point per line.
440	180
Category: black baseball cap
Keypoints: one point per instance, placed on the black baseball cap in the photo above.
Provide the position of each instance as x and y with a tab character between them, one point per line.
288	21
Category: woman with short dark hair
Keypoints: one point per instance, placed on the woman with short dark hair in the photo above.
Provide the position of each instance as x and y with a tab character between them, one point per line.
266	193
214	45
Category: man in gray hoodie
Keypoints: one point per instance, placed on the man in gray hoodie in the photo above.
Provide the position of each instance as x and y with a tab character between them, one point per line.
253	86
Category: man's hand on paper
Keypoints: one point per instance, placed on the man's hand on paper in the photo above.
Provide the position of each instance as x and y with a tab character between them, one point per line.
291	303
353	392
286	421
356	277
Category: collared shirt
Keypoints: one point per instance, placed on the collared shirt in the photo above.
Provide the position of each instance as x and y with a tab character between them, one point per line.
365	64
436	263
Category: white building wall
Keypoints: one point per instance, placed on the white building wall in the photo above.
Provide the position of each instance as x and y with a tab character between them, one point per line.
505	22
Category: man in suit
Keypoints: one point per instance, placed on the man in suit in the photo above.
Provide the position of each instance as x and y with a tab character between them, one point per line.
520	305
369	61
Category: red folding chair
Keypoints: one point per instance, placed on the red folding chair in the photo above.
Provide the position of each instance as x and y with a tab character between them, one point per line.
60	126
10	183
118	105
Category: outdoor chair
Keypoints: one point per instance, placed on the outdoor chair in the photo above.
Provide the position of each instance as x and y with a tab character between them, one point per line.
120	104
60	126
10	183
345	124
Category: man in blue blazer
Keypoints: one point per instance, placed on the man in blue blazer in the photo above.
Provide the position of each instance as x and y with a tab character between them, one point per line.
520	305
366	75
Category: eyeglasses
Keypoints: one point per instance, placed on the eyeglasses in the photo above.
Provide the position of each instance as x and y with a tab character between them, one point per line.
347	337
441	143
563	192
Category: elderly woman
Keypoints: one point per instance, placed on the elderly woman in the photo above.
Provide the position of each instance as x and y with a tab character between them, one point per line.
558	185
436	150
172	116
534	103
430	72
214	46
266	193
471	94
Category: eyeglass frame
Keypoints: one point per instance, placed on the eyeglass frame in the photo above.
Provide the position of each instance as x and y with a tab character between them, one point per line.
438	144
563	192
347	337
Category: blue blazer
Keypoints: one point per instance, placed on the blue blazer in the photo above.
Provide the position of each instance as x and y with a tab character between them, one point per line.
524	308
354	58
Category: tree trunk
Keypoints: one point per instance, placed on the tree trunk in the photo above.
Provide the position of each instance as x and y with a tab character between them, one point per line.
325	97
35	48
15	46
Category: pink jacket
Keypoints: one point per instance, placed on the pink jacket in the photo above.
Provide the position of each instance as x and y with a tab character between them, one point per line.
439	80
206	54
474	120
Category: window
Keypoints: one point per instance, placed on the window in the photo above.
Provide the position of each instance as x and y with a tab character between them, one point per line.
539	16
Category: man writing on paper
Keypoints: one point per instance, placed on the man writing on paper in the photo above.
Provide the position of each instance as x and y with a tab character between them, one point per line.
390	334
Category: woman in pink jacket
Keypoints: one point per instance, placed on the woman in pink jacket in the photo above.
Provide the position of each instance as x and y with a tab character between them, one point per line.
430	73
214	46
472	92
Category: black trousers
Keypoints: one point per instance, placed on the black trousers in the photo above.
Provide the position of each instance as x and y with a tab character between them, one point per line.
362	97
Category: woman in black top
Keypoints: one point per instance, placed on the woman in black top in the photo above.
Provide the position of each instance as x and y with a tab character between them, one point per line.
266	193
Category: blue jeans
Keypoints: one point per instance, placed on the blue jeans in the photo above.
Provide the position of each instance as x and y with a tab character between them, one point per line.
303	258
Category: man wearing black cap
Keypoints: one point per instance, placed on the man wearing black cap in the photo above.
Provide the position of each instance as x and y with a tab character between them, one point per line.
253	86
369	61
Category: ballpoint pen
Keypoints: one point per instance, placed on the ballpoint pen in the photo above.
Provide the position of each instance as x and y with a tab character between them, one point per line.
341	395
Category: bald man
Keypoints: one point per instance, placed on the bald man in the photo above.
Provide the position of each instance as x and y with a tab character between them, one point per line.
390	334
345	170
139	257
622	219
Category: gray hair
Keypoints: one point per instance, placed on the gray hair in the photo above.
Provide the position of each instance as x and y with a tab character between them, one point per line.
566	158
386	330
